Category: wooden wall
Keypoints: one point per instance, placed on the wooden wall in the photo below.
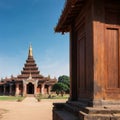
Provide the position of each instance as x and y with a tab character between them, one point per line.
106	26
81	70
112	50
95	51
84	53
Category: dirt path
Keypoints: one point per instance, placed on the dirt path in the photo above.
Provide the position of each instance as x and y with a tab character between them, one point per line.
29	109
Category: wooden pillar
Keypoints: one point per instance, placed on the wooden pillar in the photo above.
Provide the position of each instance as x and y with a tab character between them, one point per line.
17	89
1	89
21	89
24	89
73	65
10	90
49	90
42	88
35	88
38	89
4	89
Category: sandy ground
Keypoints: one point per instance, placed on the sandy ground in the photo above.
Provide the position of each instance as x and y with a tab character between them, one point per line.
29	109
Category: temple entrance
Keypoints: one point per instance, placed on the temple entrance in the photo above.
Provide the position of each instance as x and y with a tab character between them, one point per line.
30	88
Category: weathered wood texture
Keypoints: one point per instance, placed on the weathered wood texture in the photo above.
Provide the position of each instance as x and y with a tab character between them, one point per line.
85	54
83	78
95	51
94	58
73	65
106	25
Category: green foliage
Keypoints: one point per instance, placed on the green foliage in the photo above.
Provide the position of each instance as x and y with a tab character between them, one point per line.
64	79
39	97
52	96
19	99
11	98
66	96
62	86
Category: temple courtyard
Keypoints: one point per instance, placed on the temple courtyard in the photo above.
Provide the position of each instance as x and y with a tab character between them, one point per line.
28	109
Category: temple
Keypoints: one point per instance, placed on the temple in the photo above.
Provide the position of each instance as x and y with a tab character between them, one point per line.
94	27
30	81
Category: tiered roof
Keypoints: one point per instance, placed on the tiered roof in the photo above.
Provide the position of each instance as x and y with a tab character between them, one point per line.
30	68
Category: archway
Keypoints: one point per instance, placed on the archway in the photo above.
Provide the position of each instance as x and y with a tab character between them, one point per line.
30	88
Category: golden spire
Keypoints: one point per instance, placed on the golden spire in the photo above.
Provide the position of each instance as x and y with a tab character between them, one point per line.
30	51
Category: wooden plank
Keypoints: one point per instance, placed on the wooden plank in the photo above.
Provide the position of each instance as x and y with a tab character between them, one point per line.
112	57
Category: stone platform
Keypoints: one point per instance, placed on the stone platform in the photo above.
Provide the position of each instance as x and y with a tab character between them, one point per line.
77	111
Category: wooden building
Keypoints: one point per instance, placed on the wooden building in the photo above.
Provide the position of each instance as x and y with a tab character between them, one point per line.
30	81
94	27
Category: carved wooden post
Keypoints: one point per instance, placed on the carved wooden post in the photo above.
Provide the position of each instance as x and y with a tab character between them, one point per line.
4	89
35	87
49	89
42	88
24	88
10	92
17	89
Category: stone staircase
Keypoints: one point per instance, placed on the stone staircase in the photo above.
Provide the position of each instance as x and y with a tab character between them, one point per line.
30	95
78	111
63	111
30	100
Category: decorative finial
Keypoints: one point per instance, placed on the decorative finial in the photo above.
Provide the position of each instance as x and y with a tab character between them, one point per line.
30	51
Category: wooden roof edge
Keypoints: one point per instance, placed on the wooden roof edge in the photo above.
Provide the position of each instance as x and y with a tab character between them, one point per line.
1	83
69	6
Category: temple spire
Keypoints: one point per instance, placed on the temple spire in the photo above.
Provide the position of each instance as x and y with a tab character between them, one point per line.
30	51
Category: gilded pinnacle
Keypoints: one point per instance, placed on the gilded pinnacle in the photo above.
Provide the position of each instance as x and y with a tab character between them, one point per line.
30	51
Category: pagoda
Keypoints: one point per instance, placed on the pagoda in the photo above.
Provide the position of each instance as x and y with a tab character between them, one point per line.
30	81
30	68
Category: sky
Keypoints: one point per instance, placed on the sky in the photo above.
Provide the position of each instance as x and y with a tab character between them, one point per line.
32	21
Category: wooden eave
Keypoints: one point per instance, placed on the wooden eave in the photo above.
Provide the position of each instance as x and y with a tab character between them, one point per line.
1	83
71	10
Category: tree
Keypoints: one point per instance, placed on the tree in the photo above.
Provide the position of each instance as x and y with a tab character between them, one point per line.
64	79
60	87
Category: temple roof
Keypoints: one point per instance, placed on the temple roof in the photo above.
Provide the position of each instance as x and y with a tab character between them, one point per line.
30	71
30	68
71	10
